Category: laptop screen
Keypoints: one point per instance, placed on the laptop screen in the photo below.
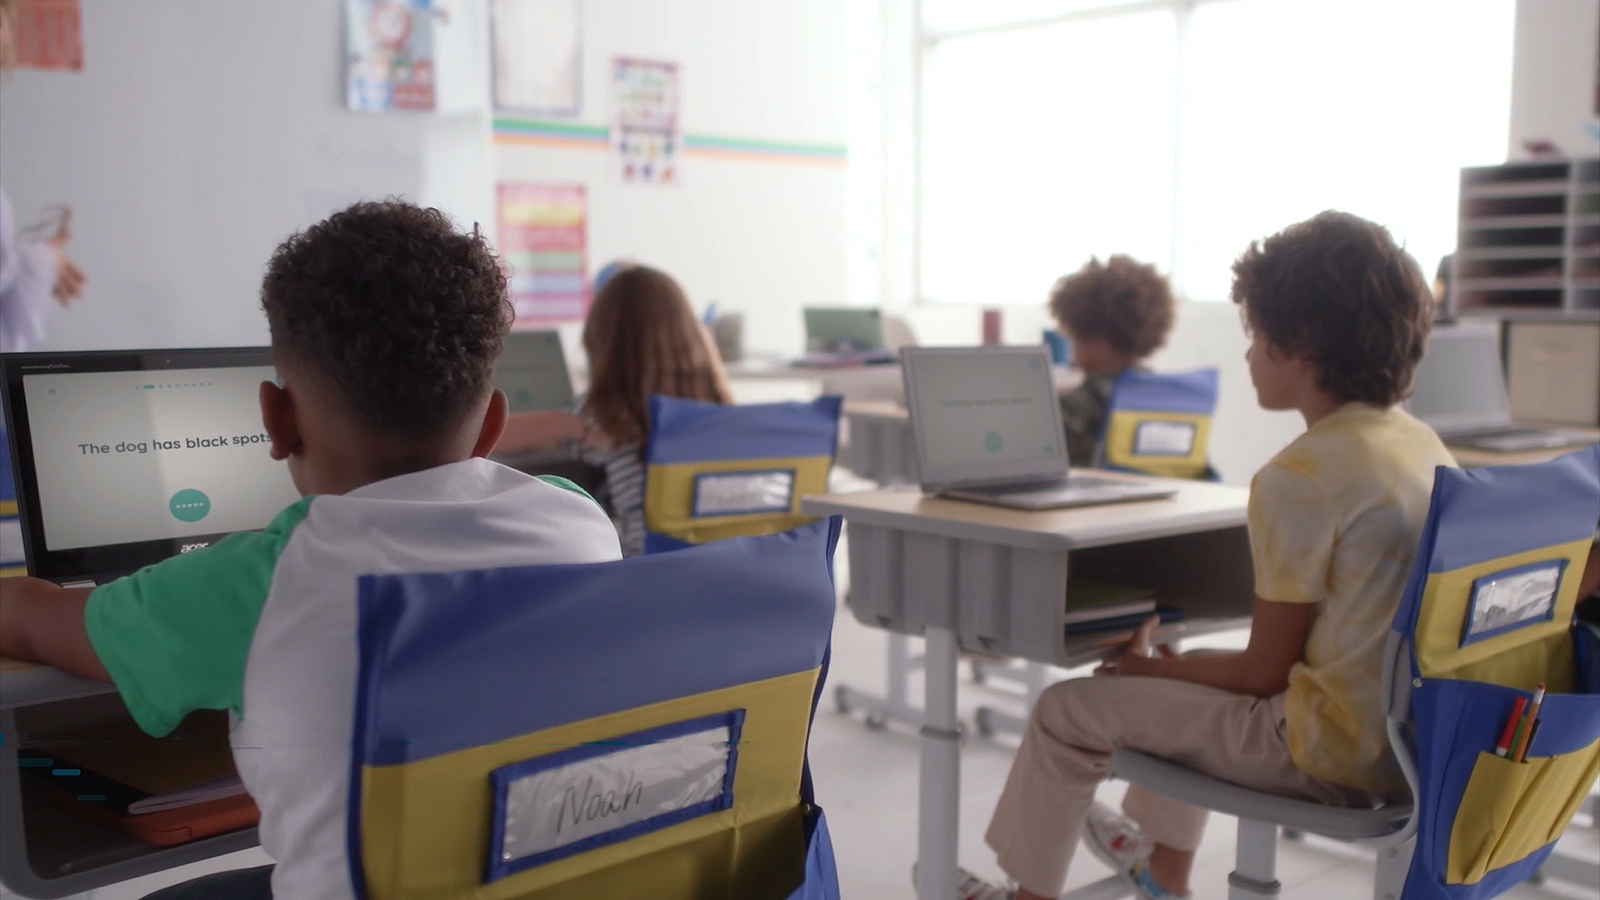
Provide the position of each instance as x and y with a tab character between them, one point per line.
987	414
1459	384
532	371
124	459
843	329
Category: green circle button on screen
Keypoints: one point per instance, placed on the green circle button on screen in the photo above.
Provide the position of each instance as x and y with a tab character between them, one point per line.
524	397
992	442
189	505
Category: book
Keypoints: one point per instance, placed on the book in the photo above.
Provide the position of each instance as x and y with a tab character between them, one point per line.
1125	624
216	789
1093	601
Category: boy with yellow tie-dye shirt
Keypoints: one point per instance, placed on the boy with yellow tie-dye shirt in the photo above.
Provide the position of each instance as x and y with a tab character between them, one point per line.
1338	315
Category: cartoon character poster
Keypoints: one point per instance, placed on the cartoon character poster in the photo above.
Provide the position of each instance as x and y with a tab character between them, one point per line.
389	55
646	135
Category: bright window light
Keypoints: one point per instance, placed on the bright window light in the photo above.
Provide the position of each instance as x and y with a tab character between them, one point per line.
1042	147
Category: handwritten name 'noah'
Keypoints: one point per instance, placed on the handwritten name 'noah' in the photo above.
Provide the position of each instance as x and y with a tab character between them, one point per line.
596	805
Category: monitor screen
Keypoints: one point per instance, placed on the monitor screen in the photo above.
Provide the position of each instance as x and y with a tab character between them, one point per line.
532	371
985	411
1459	381
148	461
843	330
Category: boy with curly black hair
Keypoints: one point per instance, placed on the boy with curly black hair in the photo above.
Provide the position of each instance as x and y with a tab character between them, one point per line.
1338	315
1116	313
386	323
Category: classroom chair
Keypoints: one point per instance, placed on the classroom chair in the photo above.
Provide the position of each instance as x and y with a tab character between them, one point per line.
1160	424
1485	617
715	472
1156	424
625	729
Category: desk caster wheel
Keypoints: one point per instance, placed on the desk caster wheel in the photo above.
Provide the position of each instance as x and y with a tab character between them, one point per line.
985	723
876	723
977	672
841	701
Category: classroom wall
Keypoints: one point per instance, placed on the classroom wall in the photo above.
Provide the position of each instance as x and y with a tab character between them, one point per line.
1554	71
760	231
200	134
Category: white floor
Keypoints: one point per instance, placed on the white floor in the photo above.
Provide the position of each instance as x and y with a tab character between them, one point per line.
867	782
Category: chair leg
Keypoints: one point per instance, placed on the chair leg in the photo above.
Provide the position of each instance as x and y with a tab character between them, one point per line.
1255	865
1393	863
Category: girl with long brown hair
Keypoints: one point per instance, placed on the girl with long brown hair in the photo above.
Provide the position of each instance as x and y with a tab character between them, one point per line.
641	338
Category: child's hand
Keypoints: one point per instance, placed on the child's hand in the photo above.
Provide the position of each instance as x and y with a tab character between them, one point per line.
1138	647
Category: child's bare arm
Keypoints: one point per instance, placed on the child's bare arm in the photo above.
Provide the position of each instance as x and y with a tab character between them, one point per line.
43	623
1278	635
540	430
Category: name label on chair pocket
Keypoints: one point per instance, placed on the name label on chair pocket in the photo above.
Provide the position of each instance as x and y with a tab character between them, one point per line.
1158	438
1512	599
592	795
743	493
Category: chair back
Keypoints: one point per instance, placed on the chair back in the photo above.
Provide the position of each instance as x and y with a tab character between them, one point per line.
1488	615
1160	424
582	730
715	472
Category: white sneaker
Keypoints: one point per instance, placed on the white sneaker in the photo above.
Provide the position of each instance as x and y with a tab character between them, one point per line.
1124	848
971	887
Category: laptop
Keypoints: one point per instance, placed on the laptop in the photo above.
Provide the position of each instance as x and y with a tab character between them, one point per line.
1459	390
125	458
844	335
532	371
987	427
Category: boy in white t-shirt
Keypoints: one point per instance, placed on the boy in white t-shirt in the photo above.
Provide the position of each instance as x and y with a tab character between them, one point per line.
386	323
1338	315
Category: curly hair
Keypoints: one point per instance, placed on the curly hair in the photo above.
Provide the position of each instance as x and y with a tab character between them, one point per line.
1126	303
1338	291
394	312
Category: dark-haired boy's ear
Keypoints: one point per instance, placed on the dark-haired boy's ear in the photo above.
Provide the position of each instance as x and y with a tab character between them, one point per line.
277	417
494	424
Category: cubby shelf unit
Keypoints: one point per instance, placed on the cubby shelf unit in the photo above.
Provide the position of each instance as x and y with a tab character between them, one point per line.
1528	242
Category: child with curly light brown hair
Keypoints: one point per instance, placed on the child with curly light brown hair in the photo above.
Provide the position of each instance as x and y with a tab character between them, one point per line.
1116	313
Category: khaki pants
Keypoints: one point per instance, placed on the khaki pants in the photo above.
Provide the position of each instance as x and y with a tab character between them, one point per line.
1065	754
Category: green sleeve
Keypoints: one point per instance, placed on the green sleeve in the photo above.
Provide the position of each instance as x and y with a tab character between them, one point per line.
174	636
567	484
1083	418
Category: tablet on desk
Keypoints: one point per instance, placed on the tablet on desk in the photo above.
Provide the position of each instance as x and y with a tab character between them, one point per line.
125	458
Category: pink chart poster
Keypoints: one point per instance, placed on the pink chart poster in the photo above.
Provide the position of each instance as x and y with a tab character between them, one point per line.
646	134
543	238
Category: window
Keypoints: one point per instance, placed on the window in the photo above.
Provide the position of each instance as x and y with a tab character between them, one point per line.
1180	136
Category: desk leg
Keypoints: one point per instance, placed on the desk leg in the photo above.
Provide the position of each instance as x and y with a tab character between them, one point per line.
938	808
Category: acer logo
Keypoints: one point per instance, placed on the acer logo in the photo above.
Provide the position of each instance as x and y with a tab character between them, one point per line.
200	546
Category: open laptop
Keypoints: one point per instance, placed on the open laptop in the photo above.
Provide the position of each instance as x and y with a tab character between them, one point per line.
125	458
988	429
1459	390
532	371
844	335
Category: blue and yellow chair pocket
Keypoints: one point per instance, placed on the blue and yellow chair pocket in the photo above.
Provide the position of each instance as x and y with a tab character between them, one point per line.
628	729
13	560
1160	424
715	472
1489	616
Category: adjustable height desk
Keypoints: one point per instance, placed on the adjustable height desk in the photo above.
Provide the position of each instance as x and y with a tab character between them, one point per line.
993	580
45	852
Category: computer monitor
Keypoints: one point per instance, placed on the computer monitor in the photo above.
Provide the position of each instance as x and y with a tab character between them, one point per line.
532	371
125	458
985	414
1459	384
843	329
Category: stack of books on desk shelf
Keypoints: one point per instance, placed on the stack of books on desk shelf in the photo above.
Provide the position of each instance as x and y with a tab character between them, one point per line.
1094	607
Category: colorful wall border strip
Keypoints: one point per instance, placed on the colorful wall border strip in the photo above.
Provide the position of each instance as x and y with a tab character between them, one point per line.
571	136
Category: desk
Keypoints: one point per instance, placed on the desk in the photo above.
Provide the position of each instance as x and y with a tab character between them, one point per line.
1471	458
992	580
878	442
45	852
